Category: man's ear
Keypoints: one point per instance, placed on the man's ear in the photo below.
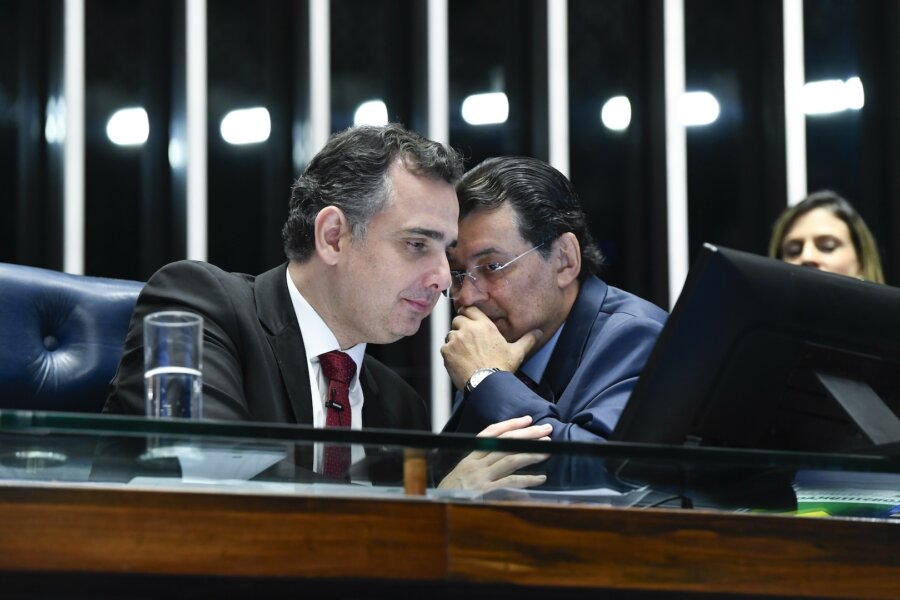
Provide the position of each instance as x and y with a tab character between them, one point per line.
568	255
332	232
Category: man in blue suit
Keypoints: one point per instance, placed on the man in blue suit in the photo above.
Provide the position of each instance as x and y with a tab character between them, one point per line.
537	333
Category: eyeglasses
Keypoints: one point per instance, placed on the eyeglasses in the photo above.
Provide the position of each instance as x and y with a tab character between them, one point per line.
490	276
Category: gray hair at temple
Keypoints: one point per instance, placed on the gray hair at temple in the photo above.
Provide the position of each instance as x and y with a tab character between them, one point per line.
351	173
544	200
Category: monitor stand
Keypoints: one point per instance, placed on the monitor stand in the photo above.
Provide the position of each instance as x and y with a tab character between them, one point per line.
865	408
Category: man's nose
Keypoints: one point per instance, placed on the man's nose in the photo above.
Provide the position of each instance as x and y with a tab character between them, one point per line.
440	274
469	294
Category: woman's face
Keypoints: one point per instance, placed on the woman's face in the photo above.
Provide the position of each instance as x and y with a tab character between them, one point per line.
821	240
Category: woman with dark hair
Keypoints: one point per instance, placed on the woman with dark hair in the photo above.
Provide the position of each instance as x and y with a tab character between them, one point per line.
824	231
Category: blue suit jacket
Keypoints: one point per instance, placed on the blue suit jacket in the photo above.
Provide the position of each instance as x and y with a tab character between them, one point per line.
597	360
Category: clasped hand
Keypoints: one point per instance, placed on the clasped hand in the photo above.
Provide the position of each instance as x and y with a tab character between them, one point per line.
474	342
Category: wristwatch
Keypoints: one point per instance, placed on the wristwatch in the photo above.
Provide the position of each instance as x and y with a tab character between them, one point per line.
477	377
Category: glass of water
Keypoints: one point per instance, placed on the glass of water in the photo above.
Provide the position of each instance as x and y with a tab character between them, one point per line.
173	365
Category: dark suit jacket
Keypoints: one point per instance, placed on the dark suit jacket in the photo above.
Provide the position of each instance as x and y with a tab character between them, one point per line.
254	361
603	347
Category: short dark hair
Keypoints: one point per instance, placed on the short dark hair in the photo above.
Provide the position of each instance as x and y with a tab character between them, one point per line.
860	234
351	173
544	200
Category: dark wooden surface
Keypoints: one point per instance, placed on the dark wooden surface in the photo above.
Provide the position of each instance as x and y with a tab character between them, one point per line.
115	532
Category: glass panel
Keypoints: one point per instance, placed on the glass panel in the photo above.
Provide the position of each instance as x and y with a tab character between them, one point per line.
228	457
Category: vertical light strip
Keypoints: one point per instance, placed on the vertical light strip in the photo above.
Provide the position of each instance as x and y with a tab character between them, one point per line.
558	83
195	19
319	74
438	130
438	72
794	118
73	150
676	147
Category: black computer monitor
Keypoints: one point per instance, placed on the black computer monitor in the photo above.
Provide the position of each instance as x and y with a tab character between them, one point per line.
761	354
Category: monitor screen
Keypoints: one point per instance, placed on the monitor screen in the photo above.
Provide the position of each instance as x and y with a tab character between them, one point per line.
761	354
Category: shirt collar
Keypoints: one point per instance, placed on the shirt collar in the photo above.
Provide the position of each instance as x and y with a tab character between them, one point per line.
535	366
317	336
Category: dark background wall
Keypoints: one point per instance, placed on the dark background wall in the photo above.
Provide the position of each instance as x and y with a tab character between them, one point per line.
135	198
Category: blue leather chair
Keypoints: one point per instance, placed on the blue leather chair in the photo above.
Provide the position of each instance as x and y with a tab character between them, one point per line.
61	337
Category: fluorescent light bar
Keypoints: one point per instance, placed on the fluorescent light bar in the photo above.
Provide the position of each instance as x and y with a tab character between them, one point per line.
439	130
176	154
73	137
373	112
486	109
55	127
616	113
246	126
558	84
698	108
856	96
833	96
128	127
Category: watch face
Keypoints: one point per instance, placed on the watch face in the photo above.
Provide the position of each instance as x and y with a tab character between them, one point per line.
479	376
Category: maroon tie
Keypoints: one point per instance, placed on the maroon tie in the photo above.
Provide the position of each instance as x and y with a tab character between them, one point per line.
339	368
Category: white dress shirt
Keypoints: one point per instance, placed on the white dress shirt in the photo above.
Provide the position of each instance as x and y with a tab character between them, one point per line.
319	339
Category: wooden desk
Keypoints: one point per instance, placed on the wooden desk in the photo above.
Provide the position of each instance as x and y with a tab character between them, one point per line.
61	530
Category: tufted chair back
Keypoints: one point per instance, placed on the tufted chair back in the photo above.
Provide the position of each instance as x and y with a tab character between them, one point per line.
61	337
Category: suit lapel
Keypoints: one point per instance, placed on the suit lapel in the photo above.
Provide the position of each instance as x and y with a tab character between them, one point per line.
277	315
573	339
455	413
375	411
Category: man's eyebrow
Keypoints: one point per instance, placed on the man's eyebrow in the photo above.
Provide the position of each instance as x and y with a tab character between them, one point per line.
481	253
486	252
429	233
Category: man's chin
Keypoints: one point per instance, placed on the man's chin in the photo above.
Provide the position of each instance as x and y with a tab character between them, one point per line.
502	326
509	336
405	330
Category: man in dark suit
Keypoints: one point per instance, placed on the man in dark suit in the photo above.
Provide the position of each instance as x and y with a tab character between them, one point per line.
537	333
366	237
370	223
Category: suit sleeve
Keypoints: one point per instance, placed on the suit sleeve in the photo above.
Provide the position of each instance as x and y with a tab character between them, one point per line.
198	288
595	396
